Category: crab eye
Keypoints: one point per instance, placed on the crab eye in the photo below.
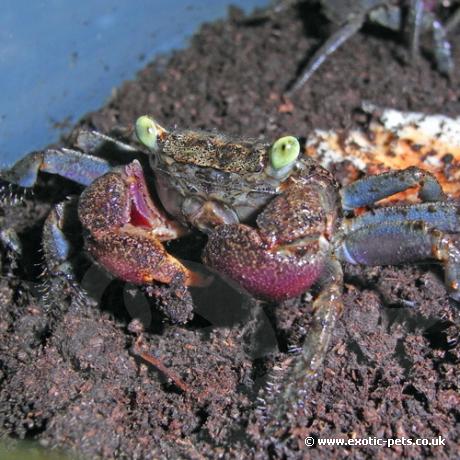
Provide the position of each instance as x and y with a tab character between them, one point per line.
284	152
147	131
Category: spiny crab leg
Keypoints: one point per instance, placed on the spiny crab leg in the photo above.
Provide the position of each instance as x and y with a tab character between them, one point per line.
327	307
126	230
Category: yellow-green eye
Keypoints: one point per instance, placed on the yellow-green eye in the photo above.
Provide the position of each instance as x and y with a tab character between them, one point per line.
147	131
284	152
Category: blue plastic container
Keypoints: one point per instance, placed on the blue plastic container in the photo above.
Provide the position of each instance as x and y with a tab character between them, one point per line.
60	59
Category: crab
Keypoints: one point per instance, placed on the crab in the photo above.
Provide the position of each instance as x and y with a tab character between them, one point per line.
418	16
277	221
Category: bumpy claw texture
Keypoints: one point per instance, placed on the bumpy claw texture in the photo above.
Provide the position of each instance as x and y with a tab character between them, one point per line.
239	253
285	254
126	229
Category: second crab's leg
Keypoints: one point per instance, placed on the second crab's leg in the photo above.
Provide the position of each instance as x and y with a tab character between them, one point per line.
415	26
442	48
421	19
335	41
453	21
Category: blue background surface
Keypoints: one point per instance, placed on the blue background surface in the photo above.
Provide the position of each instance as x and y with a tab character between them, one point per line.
60	59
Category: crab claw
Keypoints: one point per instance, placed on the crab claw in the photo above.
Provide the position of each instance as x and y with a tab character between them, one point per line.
126	230
286	254
273	273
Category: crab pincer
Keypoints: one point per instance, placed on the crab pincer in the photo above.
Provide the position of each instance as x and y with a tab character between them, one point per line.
126	230
286	252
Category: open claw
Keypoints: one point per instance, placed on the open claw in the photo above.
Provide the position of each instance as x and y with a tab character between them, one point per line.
126	230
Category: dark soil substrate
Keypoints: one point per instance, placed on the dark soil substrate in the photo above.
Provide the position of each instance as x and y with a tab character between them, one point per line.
69	375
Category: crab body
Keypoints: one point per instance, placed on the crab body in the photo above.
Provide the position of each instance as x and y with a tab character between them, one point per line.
223	187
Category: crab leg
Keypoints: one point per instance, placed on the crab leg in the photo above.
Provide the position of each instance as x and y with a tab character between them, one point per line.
404	233
96	143
453	21
10	241
420	19
415	20
443	216
373	188
442	48
56	246
79	167
335	41
327	307
393	243
70	164
60	254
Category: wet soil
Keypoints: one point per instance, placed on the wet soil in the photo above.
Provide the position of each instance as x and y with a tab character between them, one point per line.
70	372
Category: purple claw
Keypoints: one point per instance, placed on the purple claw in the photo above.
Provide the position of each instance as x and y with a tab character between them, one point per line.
272	273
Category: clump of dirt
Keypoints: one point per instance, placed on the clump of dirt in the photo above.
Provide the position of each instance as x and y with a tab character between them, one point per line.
70	373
